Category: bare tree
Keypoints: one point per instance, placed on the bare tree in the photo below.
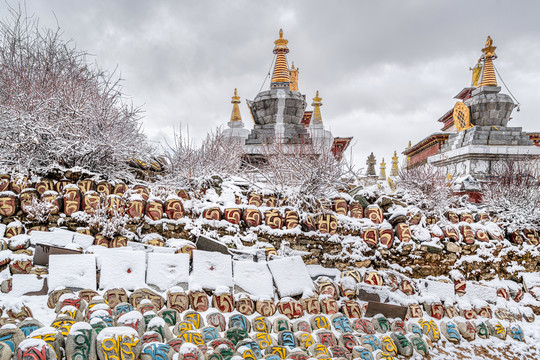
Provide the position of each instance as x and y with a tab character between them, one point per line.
512	192
187	163
58	110
304	173
428	187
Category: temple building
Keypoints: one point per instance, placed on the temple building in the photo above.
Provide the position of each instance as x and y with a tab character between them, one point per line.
475	133
280	117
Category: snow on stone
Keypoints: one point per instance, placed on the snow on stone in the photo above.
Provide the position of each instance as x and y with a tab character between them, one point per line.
481	292
439	289
75	271
83	240
23	283
32	343
530	279
317	270
60	238
253	277
116	332
122	269
167	270
290	276
211	269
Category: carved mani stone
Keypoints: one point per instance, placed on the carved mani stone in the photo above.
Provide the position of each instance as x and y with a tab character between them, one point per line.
273	219
374	213
81	342
327	223
118	343
233	215
291	219
252	217
34	349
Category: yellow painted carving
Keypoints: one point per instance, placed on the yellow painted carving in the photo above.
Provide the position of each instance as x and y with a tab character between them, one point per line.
461	116
121	346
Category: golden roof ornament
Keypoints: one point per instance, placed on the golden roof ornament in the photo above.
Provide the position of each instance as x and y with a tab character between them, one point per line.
394	171
316	117
476	72
294	77
235	115
461	117
488	74
382	174
281	76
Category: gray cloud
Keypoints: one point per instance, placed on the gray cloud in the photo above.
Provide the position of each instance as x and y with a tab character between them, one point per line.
386	70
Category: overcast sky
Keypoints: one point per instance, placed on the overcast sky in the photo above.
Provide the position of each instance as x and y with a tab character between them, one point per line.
386	70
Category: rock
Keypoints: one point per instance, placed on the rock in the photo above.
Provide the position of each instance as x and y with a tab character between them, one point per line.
360	352
286	338
118	343
380	324
5	351
304	339
482	330
11	336
388	346
371	342
515	332
452	247
419	345
30	347
81	342
496	329
450	332
157	351
52	337
430	329
341	323
466	329
403	345
28	325
159	325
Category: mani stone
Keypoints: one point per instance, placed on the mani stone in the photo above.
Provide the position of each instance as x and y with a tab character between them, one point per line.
381	324
252	345
403	345
5	351
482	330
450	332
52	337
496	329
118	343
360	352
419	345
467	330
28	349
170	316
157	351
11	335
28	325
159	325
132	319
301	325
81	342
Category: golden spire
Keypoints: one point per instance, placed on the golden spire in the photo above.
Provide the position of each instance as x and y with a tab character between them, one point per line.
235	116
281	76
382	175
394	171
294	77
316	119
488	75
476	72
410	144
